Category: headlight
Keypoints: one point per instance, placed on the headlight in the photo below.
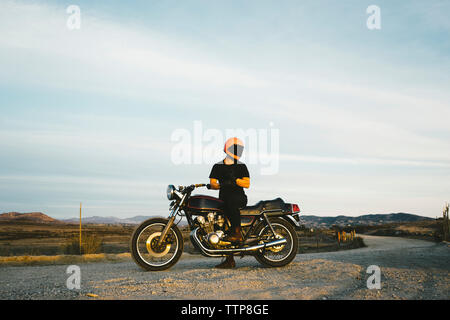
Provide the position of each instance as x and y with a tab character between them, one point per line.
170	192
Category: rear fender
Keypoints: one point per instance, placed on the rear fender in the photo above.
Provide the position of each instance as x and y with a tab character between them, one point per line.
291	218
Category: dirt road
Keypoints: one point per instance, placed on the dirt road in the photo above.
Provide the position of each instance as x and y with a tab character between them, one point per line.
410	269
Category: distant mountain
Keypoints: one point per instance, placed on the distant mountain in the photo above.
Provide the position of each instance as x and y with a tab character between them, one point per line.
364	220
27	217
108	220
309	221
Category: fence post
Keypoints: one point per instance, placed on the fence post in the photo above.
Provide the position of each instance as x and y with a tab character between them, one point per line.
317	240
445	222
80	229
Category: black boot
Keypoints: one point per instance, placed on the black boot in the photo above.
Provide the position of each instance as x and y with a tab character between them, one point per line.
227	264
235	236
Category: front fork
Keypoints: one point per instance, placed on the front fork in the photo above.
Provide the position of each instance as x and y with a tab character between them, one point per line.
169	224
166	230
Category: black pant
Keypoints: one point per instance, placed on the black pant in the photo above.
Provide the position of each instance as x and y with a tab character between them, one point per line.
232	203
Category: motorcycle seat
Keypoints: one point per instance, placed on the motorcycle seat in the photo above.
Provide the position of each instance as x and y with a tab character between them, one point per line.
263	205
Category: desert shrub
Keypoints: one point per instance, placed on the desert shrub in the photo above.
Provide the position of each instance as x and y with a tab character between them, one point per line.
71	247
4	251
35	252
90	244
359	242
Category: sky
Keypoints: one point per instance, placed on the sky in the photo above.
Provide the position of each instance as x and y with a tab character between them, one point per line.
360	118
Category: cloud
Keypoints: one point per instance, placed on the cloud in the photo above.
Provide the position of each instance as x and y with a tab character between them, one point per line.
363	161
432	13
103	56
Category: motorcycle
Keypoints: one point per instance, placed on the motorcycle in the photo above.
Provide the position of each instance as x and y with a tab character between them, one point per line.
268	230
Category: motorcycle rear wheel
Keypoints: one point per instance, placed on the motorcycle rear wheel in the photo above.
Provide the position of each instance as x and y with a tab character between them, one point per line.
278	256
145	251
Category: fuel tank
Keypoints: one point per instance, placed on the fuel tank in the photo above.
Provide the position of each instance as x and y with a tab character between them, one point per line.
203	203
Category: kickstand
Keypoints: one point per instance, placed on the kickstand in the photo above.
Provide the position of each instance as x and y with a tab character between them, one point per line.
242	254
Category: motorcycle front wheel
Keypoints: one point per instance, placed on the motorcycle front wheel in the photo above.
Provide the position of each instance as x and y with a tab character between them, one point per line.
145	250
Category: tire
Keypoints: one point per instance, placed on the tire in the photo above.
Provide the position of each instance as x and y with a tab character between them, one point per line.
137	252
277	223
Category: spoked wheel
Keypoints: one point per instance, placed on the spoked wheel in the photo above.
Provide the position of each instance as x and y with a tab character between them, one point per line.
146	251
281	255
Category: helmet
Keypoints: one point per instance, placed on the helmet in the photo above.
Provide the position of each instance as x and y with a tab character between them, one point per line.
233	148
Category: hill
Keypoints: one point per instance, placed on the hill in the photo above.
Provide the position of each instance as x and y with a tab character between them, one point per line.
309	221
37	217
108	220
363	220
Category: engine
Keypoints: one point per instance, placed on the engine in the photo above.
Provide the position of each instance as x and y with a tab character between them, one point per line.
213	228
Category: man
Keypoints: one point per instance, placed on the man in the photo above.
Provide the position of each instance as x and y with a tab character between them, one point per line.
231	177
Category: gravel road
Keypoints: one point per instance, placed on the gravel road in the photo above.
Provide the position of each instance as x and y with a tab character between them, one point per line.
410	269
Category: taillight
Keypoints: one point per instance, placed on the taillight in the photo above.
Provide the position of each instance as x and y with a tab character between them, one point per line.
295	208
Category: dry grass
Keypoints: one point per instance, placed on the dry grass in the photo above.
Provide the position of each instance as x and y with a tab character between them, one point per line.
35	239
91	244
62	259
425	230
415	229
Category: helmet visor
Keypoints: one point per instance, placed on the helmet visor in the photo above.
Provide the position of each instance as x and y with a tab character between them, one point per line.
236	150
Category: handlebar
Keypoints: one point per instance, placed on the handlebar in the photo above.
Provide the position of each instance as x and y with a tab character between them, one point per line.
193	186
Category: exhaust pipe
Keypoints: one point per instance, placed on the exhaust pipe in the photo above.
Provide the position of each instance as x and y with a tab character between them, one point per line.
220	252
